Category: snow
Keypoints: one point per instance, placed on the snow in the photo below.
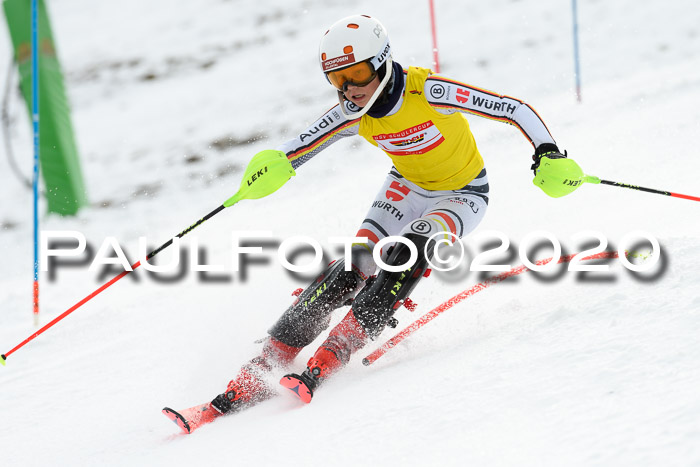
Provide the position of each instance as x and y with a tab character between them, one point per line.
166	98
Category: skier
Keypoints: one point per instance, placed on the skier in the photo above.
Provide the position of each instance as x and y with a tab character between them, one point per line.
437	185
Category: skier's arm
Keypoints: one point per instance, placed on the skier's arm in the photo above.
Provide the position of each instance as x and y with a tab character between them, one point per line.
555	174
325	131
449	96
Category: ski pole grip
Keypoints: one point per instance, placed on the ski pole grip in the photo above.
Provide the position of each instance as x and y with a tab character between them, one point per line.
3	358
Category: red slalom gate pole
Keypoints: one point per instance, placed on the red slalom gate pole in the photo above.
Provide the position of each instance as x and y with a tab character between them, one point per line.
106	285
431	315
436	60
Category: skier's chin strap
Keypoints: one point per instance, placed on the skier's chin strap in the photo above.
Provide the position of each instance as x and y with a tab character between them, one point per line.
391	95
344	103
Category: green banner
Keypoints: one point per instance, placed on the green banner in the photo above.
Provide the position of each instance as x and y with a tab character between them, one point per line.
58	154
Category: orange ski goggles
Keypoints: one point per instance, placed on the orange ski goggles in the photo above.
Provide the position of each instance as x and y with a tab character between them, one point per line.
359	74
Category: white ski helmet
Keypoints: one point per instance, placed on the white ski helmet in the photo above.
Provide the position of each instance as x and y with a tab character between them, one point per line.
353	40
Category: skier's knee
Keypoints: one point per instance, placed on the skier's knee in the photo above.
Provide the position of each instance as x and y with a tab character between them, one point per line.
310	314
383	294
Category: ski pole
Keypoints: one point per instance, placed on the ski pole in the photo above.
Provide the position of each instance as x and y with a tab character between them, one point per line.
437	311
595	180
266	173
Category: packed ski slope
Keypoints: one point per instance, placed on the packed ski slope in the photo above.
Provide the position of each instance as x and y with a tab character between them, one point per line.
171	99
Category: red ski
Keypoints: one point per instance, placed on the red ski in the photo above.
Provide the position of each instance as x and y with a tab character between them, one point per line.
190	419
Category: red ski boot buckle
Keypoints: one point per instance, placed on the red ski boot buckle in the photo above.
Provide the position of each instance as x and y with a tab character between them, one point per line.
410	305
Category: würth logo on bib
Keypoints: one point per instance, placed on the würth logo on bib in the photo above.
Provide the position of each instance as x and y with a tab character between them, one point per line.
415	140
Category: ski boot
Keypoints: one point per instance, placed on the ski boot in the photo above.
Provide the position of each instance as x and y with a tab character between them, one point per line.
249	387
347	337
372	310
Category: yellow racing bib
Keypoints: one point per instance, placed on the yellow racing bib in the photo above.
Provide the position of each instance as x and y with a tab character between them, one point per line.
433	150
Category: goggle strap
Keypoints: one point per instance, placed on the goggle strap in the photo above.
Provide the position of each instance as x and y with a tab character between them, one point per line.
382	56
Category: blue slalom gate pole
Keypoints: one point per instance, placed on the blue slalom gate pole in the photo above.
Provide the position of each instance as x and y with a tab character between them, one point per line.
577	66
35	124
